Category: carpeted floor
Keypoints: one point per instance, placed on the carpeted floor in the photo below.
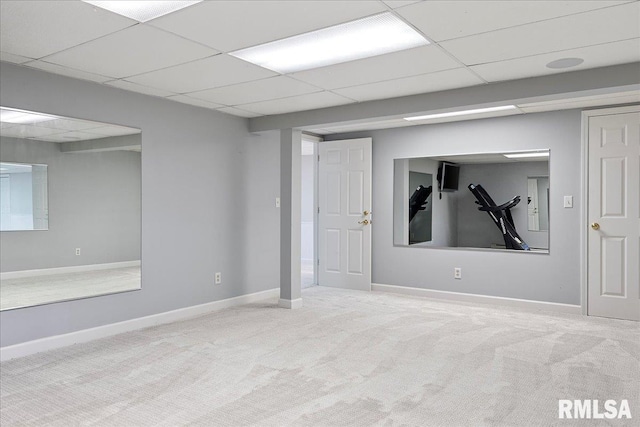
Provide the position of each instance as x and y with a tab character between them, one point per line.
346	358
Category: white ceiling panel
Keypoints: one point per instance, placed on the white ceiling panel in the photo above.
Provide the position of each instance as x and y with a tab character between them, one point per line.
570	32
132	51
71	136
256	91
28	131
193	101
230	25
297	103
395	4
444	20
39	28
69	72
594	56
64	124
134	87
215	71
115	130
442	80
16	59
238	112
411	62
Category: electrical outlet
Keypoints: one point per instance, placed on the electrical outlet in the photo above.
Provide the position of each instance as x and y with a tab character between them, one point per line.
218	278
77	251
457	273
277	202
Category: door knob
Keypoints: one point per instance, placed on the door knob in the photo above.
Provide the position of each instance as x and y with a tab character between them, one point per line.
365	222
365	213
595	226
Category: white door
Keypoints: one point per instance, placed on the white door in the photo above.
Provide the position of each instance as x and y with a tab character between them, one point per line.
344	218
614	216
532	206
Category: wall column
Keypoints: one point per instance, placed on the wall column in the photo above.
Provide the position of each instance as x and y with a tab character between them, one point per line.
290	218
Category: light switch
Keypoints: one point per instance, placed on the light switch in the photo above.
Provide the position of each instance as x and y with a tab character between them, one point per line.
568	201
277	202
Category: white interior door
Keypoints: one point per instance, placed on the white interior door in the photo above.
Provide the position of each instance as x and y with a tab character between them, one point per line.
614	216
532	207
344	218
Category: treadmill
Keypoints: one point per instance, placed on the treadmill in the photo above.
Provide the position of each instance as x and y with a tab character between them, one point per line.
501	216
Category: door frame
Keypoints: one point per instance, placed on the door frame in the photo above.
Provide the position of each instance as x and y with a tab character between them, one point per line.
316	140
584	184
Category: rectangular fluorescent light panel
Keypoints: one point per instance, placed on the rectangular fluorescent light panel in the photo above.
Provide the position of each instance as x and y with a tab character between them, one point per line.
23	117
363	38
462	113
142	11
527	155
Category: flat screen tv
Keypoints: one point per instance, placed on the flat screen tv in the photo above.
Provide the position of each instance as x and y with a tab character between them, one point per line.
448	174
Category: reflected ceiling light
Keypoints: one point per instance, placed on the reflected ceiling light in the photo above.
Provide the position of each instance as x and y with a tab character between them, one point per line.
527	155
363	38
22	117
142	11
462	113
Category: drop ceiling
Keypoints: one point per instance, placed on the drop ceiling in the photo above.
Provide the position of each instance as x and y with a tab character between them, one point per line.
184	56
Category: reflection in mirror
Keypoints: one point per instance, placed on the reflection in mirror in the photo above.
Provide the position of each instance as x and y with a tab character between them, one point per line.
538	203
23	197
479	201
71	205
413	187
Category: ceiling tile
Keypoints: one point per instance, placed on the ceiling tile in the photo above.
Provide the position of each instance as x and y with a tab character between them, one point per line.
133	87
38	28
256	91
442	80
215	71
193	101
297	103
64	71
70	136
230	25
443	20
569	32
27	131
64	124
238	112
395	4
594	56
16	59
115	130
411	62
132	51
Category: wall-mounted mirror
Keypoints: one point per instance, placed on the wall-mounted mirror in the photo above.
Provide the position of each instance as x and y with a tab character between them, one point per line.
71	208
485	200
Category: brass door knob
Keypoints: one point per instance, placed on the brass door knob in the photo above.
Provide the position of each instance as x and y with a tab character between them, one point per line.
365	213
365	222
595	226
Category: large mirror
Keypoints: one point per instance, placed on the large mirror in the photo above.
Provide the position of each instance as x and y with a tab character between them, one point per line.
70	201
493	201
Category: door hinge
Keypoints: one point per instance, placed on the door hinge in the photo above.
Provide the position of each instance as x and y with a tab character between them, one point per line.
318	157
318	209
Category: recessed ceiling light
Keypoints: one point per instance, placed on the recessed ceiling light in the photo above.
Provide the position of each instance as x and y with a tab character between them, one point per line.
565	63
462	113
363	38
142	11
22	117
527	155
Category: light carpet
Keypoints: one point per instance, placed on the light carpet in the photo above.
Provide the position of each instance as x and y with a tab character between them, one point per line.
345	358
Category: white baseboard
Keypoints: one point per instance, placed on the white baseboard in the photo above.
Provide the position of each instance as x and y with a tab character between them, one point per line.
57	341
524	304
63	270
290	303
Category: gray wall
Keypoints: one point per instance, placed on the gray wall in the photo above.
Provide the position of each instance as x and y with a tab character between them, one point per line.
553	277
94	205
502	181
208	188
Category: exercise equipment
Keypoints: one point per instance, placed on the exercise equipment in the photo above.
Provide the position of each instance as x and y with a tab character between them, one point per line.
418	200
501	216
